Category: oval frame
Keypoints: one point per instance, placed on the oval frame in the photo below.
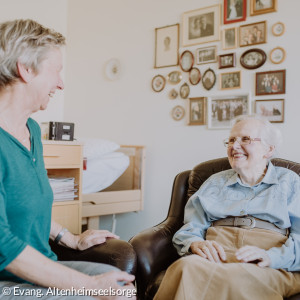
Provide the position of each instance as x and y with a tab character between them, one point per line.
178	112
194	72
177	77
272	53
209	85
173	94
184	94
282	29
155	81
186	61
255	65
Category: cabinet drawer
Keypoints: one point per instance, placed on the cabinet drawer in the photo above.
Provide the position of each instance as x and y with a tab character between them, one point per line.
59	155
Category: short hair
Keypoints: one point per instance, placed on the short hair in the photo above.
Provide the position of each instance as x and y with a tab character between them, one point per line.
24	41
271	135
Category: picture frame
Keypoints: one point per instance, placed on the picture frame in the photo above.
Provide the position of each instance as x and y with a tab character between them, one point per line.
201	25
174	77
221	110
166	46
253	58
197	111
227	60
194	76
277	55
230	80
173	94
209	79
186	61
206	55
158	83
271	109
229	38
253	34
178	113
258	7
278	29
270	83
234	11
184	91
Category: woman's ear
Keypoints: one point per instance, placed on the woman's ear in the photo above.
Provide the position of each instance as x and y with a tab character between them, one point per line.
25	73
270	152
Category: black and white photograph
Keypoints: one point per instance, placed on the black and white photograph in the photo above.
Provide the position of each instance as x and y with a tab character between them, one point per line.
227	60
194	76
186	61
229	38
209	79
271	109
206	55
184	91
234	11
158	83
253	58
258	7
253	34
231	80
197	111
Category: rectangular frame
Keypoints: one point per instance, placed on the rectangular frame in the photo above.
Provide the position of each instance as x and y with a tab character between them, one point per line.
229	82
249	34
261	7
235	13
272	109
227	60
229	38
197	111
270	83
193	31
221	110
166	46
206	55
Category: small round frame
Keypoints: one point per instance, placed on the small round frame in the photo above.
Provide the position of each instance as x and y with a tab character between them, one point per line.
277	55
174	77
184	91
209	79
278	29
178	113
158	83
186	61
173	94
253	58
194	76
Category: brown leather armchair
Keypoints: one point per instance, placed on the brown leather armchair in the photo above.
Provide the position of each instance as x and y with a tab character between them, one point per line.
154	248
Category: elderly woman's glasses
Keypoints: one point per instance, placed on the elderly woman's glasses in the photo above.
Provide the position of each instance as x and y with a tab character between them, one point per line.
244	140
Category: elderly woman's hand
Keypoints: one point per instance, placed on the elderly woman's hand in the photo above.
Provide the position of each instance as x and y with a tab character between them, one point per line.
251	253
210	250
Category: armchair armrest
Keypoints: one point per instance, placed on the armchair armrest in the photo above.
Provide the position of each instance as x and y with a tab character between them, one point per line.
114	252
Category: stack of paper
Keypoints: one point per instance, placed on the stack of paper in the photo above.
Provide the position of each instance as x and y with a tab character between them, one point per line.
63	188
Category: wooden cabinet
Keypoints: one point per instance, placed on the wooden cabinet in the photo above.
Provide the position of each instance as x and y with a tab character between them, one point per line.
64	159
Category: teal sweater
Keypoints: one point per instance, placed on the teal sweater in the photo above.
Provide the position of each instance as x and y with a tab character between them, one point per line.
25	199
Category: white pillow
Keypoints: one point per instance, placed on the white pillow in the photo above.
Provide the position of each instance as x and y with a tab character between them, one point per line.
93	148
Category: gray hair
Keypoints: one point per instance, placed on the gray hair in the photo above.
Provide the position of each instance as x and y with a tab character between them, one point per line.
27	42
271	135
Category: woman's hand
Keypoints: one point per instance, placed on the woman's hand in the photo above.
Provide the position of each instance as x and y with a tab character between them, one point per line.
251	253
210	250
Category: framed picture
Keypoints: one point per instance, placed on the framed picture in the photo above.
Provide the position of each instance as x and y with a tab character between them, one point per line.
253	58
201	25
184	91
178	113
229	81
197	111
206	55
258	7
209	79
174	77
272	109
277	55
222	110
278	29
227	60
229	38
158	83
253	34
166	46
195	76
173	94
186	61
270	83
235	11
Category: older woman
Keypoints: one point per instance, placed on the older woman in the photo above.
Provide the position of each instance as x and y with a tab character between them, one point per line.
235	236
30	66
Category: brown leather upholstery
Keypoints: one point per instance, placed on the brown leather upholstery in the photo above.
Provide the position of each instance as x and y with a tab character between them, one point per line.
153	246
114	252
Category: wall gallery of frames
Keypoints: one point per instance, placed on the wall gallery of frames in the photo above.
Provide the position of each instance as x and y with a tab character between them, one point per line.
202	53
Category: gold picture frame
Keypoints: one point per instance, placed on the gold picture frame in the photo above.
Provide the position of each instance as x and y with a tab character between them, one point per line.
272	109
197	111
278	29
253	34
277	55
230	80
229	38
258	7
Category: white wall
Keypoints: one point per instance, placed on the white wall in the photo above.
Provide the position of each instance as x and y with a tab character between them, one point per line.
129	112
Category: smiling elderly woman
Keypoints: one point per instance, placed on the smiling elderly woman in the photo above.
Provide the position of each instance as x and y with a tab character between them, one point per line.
235	236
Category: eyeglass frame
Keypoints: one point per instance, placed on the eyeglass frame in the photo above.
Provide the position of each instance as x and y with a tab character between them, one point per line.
239	140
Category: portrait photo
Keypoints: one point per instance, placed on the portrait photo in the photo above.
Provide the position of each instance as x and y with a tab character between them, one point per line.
206	55
227	60
270	83
197	111
258	7
222	110
166	46
184	91
194	76
230	80
253	34
158	83
235	11
209	79
229	38
271	109
253	58
201	25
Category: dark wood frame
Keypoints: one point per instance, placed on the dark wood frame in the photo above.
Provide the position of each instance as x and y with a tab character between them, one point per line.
251	25
203	78
203	101
243	18
255	50
164	83
185	53
198	74
227	66
269	100
254	12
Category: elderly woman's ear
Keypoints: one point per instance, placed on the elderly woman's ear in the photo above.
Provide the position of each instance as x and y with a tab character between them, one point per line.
270	151
26	73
